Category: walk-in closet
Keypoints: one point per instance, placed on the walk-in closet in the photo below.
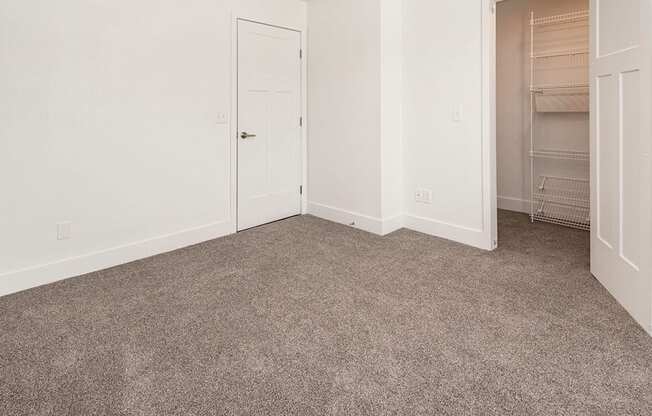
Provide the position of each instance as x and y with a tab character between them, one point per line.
542	95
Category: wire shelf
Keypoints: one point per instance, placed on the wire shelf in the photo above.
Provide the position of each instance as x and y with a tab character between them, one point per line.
563	201
559	83
561	18
562	101
559	53
544	87
559	215
560	154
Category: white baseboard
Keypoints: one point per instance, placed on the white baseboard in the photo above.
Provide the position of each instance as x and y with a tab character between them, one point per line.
18	280
363	222
393	224
514	204
463	235
457	233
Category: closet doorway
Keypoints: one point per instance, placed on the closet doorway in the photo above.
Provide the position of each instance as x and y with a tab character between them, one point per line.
543	122
573	98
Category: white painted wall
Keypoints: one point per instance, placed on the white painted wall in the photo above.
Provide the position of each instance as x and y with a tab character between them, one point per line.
569	130
442	72
109	120
354	84
344	111
391	113
384	79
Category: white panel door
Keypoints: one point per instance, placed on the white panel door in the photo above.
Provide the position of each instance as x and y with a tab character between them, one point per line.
269	132
620	153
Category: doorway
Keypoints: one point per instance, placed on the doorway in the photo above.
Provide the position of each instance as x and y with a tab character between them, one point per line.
543	110
269	123
578	142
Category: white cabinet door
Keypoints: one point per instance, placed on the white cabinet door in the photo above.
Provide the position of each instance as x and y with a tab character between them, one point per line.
620	153
269	132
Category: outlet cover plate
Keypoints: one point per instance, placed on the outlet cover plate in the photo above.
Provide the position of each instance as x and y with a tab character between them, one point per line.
64	230
423	196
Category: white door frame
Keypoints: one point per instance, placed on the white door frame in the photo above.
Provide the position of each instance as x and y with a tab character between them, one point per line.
647	66
233	131
489	165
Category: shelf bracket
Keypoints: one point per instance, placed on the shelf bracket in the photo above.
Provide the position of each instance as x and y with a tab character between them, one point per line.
543	183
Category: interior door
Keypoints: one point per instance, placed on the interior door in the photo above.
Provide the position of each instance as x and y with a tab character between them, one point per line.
620	153
269	131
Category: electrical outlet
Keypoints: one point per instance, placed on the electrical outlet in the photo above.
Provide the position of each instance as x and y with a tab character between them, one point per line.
64	230
423	196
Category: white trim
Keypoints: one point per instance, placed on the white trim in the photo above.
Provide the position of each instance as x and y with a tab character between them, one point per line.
367	223
19	280
235	16
489	164
469	236
304	128
389	225
233	142
514	204
464	235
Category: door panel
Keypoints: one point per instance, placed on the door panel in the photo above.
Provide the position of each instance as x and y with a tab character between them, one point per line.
269	108
631	169
613	35
607	160
620	173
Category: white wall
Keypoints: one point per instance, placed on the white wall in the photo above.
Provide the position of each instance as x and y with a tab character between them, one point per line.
513	104
354	84
109	120
391	113
443	71
384	79
344	110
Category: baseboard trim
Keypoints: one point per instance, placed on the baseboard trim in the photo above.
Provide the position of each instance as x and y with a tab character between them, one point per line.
363	222
393	224
460	234
27	278
514	204
464	235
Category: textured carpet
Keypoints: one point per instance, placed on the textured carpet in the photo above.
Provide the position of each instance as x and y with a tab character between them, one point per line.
309	317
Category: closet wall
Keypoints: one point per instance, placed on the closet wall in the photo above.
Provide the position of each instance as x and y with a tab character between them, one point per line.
569	130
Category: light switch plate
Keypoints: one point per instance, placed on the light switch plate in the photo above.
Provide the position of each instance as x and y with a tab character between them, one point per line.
222	118
458	113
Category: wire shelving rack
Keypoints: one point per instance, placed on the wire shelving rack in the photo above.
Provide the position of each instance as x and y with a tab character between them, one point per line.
559	83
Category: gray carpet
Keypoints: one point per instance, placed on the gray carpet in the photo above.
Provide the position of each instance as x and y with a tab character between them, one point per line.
309	317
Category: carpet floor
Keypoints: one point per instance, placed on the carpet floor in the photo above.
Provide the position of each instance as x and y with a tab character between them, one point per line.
308	317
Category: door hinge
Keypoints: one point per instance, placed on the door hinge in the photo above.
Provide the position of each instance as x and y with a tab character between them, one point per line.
300	121
300	53
301	190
